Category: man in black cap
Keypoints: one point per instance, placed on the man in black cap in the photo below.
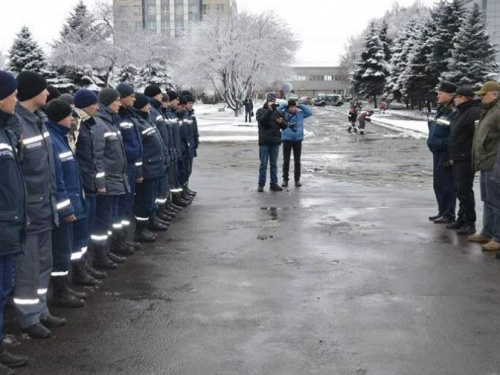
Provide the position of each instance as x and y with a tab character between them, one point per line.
437	141
271	123
34	266
13	209
460	148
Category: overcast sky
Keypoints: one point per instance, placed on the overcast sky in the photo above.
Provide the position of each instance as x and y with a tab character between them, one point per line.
323	26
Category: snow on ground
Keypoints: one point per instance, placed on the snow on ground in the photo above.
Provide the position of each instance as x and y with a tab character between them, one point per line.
417	126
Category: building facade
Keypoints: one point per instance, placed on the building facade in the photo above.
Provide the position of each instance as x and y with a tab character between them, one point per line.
309	81
491	11
170	17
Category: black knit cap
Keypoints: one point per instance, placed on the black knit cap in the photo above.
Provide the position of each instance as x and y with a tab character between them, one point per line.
165	98
292	103
447	87
58	110
189	98
466	91
125	90
152	91
182	100
108	96
30	84
8	84
68	98
54	93
141	101
172	95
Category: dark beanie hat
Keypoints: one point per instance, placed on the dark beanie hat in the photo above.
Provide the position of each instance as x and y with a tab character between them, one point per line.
186	93
166	98
172	95
182	100
141	101
125	90
292	103
447	87
54	93
68	98
58	110
8	84
30	84
108	96
466	91
85	98
152	90
189	98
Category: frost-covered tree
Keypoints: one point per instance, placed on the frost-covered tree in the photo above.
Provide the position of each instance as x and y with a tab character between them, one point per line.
417	79
447	20
401	50
2	60
369	75
25	53
473	58
237	54
386	41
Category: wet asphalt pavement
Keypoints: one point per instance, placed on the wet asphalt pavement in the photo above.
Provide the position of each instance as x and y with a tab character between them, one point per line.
343	276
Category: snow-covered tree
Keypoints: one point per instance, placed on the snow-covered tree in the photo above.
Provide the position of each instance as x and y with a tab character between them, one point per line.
473	58
25	53
401	49
417	79
447	20
237	54
386	41
369	75
2	60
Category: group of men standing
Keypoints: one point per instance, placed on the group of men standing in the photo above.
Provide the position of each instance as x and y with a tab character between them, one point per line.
125	179
464	138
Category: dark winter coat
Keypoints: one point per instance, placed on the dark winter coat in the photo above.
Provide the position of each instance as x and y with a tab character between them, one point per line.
13	197
248	105
294	131
269	128
158	119
439	130
86	155
187	135
69	193
37	164
155	153
111	158
174	121
352	116
462	131
196	134
487	138
170	120
131	139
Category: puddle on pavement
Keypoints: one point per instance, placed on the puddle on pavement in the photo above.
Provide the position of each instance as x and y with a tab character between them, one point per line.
274	212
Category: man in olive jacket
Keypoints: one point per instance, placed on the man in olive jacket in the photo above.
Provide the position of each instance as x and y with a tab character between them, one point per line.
271	123
484	152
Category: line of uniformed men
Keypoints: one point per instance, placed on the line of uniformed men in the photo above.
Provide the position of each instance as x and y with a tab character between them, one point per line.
126	179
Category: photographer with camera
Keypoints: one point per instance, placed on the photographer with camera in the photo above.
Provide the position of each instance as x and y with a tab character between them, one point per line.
271	123
292	137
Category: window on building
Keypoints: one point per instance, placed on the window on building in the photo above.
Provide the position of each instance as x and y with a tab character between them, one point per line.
165	10
328	78
152	25
219	8
137	11
151	10
206	8
179	24
138	25
165	25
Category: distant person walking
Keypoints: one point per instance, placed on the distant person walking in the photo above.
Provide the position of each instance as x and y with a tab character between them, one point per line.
437	141
248	109
352	116
271	123
292	137
363	117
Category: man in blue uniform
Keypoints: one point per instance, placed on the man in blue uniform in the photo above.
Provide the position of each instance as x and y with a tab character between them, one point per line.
12	207
34	266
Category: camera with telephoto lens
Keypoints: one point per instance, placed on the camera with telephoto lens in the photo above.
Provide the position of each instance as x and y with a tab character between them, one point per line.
293	125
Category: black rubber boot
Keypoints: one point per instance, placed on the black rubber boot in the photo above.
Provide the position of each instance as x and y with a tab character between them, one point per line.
155	225
61	296
118	244
99	275
37	331
116	258
51	321
178	201
129	236
143	234
82	277
4	370
101	260
77	293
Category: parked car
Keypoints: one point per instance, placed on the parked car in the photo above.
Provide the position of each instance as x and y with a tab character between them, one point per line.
304	100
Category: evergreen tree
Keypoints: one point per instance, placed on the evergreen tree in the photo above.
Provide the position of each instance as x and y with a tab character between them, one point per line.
25	53
473	60
418	79
386	41
78	27
400	52
371	70
447	20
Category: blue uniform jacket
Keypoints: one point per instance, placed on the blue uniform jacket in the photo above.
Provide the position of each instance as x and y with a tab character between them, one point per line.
171	121
69	193
439	129
294	131
13	198
187	134
154	149
131	139
158	120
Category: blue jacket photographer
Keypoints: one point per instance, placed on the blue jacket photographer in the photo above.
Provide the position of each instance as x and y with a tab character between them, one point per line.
294	116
